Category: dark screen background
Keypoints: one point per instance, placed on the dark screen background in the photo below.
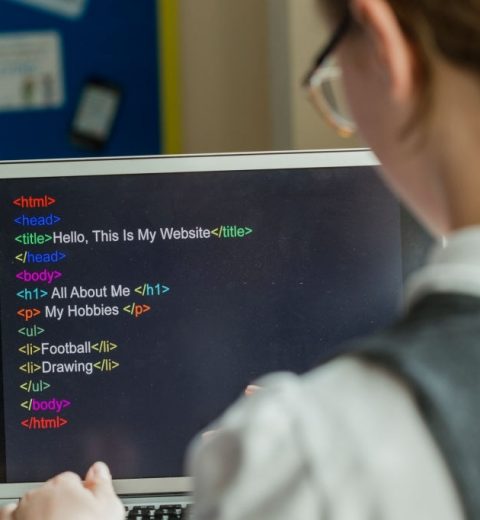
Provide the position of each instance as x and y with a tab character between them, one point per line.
323	264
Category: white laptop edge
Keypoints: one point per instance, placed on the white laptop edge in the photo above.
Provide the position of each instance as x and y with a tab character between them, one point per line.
144	486
189	163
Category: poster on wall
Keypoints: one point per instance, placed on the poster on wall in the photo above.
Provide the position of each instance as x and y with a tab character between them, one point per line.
67	8
31	71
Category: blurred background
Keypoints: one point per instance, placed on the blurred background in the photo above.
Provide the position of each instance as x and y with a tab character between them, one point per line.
87	78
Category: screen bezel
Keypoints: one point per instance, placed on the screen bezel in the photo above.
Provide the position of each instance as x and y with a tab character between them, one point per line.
172	164
187	163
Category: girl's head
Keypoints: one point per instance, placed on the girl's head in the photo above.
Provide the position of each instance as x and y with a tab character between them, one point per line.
412	76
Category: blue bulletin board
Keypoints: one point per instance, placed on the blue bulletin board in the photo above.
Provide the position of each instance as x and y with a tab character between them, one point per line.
115	40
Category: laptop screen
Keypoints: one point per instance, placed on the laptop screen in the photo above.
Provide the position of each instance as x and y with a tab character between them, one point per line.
140	298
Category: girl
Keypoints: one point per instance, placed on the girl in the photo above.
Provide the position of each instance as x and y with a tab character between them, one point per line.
390	431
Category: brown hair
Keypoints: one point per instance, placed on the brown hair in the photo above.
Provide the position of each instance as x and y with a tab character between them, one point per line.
450	28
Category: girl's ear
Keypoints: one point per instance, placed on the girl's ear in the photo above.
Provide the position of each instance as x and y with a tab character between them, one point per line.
393	56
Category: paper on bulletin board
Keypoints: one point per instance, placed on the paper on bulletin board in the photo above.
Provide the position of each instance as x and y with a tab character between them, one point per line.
68	8
31	71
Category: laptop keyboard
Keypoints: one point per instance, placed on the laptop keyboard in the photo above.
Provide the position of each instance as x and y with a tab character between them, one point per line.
158	512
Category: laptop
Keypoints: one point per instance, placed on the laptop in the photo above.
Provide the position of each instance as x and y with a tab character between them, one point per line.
141	296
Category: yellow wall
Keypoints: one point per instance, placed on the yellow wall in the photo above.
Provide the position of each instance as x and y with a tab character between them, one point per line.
171	105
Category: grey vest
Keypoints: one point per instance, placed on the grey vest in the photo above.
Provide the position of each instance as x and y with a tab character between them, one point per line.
436	350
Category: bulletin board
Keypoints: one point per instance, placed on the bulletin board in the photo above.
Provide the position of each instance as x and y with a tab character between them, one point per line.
115	40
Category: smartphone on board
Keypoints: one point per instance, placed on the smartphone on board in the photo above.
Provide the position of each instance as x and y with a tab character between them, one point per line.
95	114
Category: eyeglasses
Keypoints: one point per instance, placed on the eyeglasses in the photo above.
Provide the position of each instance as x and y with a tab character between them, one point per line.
324	85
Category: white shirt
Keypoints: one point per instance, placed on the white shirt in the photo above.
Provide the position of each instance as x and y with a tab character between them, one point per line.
342	442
